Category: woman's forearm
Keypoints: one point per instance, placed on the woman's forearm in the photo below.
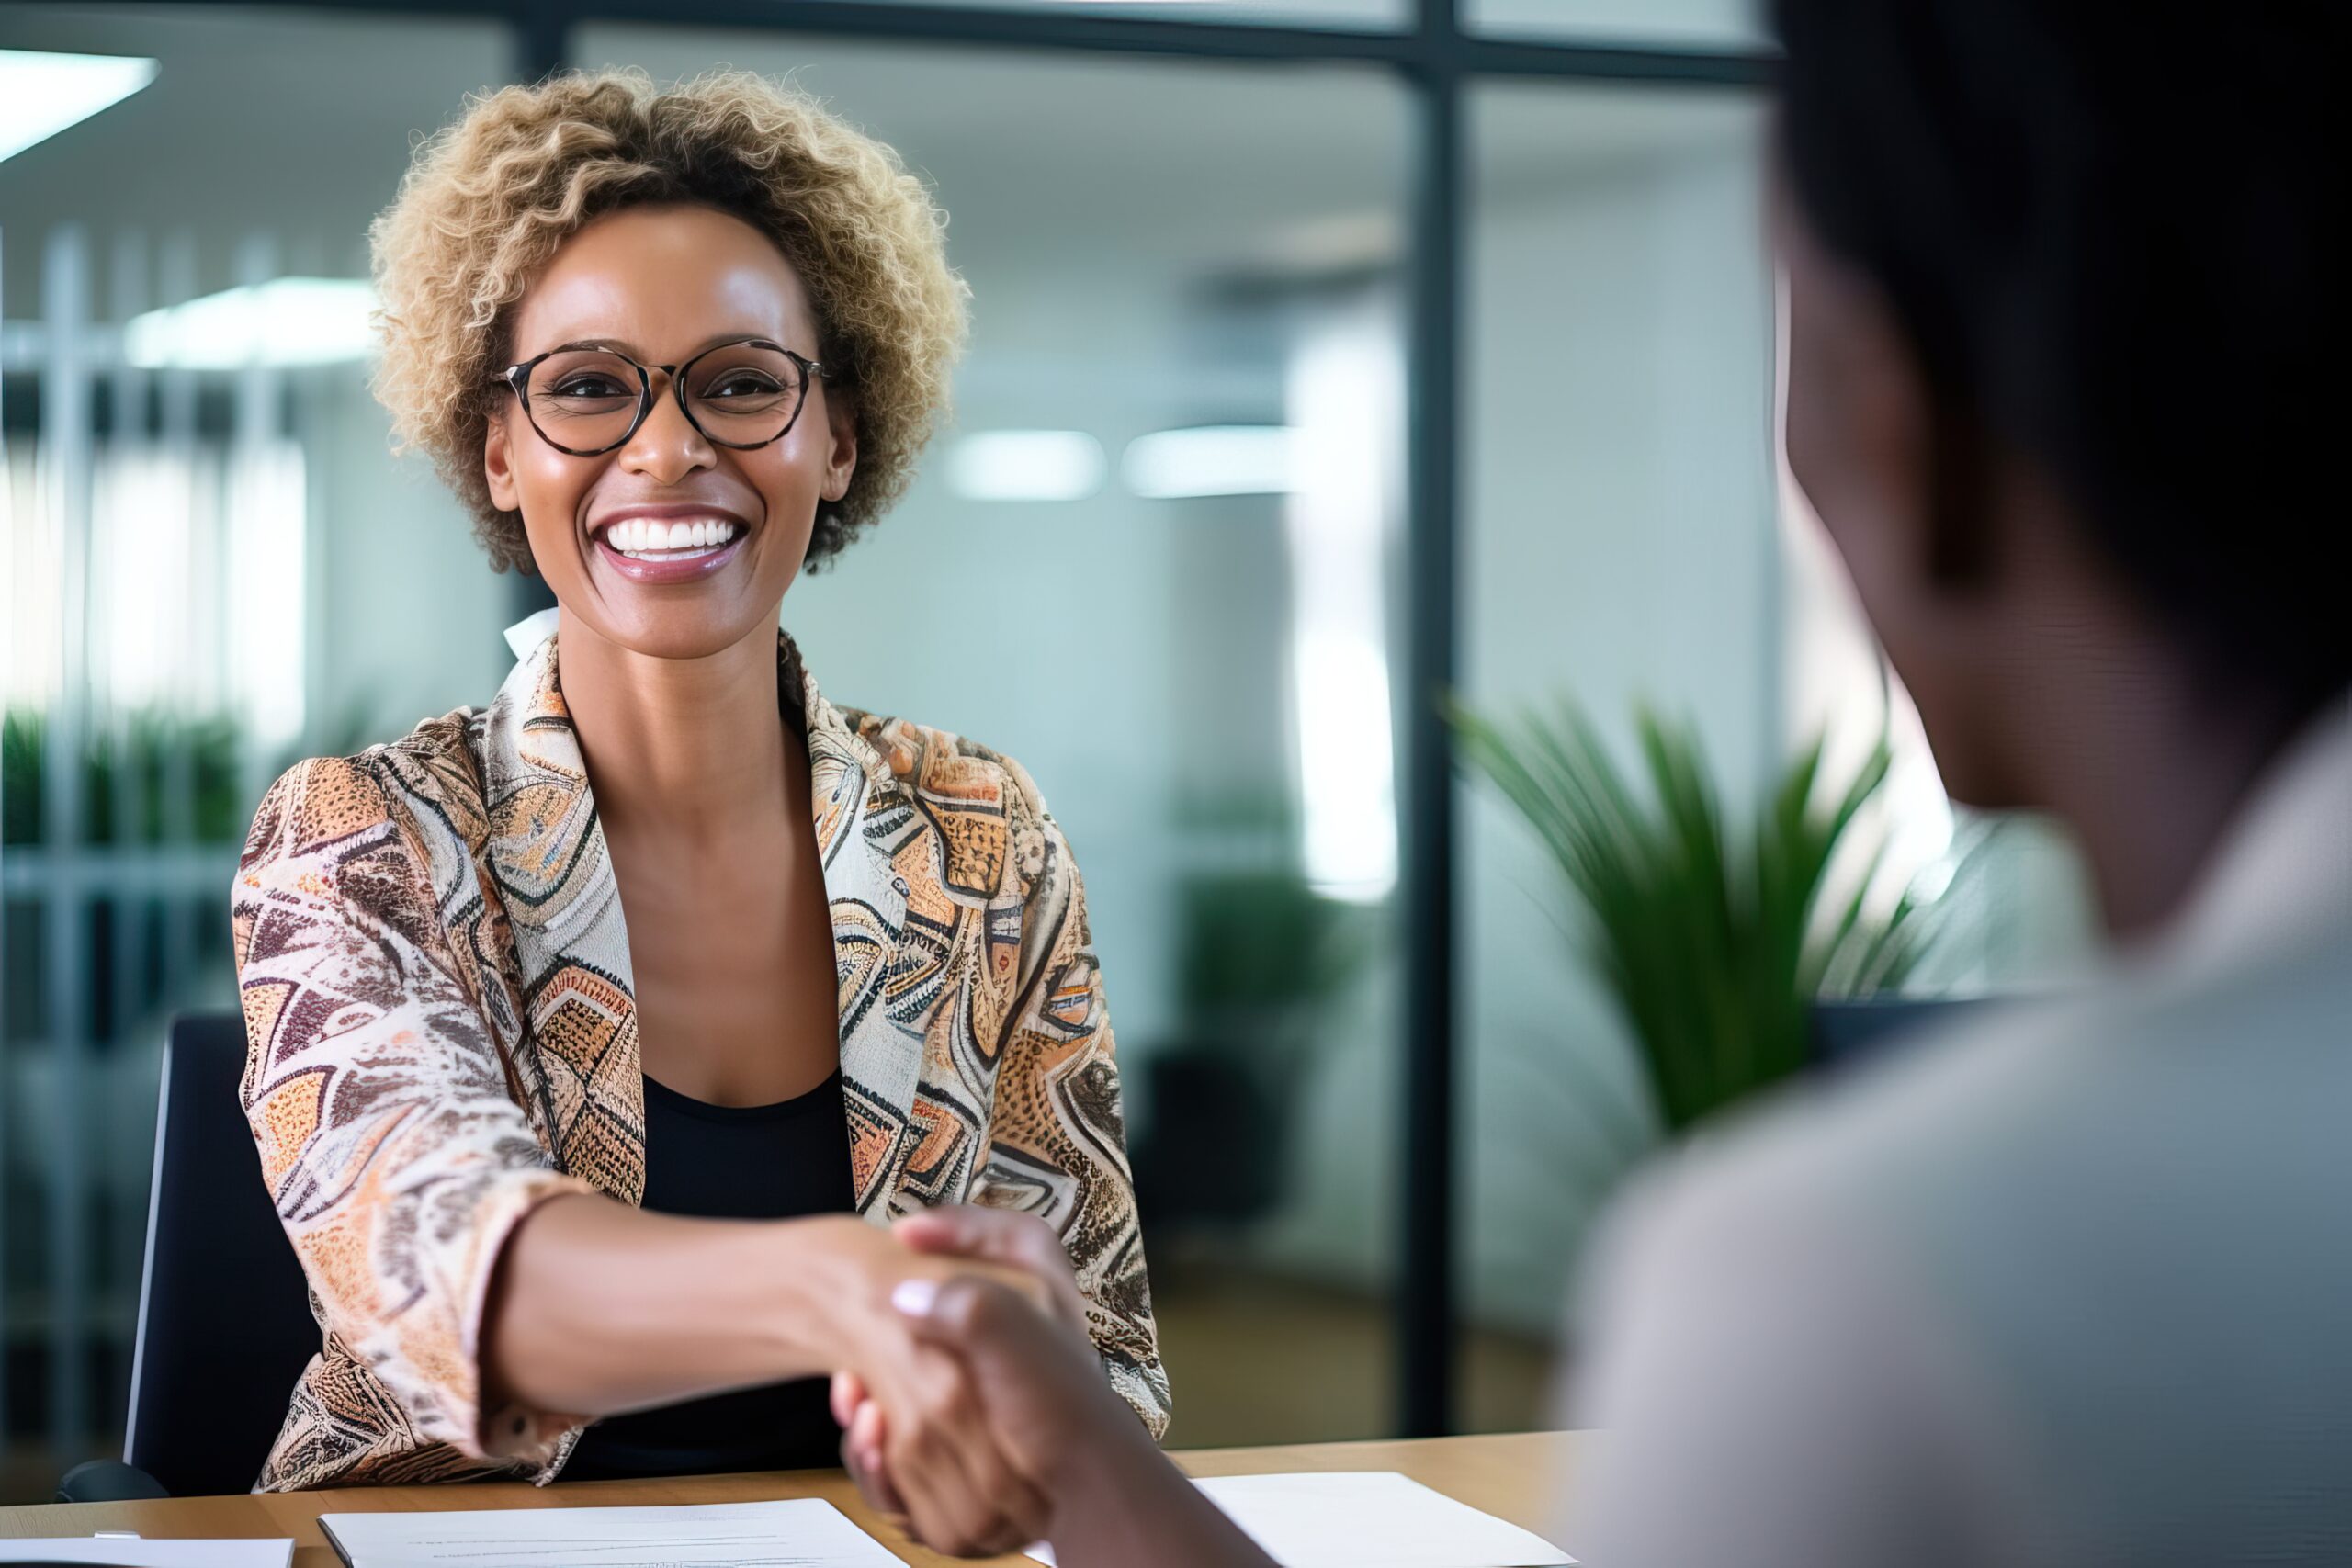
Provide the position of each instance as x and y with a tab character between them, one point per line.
598	1308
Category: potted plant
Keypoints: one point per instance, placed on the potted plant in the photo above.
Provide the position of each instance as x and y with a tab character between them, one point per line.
1715	939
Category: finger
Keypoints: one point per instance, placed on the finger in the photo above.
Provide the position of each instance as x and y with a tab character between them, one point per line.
855	1463
996	1235
1001	1236
863	1443
848	1392
943	1509
969	1230
965	1315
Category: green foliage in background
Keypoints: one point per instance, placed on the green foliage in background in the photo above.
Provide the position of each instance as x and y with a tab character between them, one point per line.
1259	952
1714	939
198	754
164	752
1262	942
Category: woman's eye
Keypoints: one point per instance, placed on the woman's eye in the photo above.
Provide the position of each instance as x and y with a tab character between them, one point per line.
746	384
590	387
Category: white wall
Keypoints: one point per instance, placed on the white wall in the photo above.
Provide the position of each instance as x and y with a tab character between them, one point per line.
1621	547
408	612
1115	645
1619	543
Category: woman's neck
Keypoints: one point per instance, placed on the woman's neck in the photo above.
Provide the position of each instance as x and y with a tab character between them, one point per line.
680	748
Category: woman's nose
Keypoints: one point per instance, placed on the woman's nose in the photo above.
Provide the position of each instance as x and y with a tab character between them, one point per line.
667	446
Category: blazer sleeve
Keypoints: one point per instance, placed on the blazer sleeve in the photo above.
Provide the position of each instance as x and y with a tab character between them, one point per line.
391	1144
1056	1142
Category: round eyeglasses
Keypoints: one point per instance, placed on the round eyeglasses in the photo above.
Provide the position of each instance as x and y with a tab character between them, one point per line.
585	400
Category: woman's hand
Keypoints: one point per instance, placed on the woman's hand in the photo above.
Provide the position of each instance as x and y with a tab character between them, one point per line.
913	1409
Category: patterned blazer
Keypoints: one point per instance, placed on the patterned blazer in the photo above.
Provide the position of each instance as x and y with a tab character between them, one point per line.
437	992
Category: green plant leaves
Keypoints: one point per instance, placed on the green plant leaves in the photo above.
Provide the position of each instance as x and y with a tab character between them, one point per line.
1713	940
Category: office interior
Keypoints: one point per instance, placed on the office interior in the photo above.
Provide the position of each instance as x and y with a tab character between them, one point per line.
1174	552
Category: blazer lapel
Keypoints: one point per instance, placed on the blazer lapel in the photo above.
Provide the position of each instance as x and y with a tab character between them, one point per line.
863	821
546	856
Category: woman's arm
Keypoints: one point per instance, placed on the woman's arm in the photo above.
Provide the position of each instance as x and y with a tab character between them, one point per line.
600	1308
394	1153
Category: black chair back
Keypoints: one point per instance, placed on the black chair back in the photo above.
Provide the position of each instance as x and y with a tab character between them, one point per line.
224	1316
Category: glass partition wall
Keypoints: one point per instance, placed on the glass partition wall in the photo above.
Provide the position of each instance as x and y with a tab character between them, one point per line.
197	498
1327	358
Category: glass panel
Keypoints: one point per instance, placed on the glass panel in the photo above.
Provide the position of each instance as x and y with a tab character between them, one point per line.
1665	24
1149	561
1632	545
1618	545
203	529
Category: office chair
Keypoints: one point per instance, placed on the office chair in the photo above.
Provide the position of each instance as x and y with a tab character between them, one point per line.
224	1317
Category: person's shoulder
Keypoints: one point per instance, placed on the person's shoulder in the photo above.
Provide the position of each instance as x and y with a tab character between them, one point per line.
949	767
1949	1141
1827	1155
997	836
432	770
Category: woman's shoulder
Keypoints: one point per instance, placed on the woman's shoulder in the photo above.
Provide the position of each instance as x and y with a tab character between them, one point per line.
430	775
943	764
998	835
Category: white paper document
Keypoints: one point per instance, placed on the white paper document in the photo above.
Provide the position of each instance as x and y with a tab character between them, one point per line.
122	1552
1367	1519
803	1533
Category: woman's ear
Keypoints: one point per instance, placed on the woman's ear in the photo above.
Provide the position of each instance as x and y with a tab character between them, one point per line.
840	456
497	465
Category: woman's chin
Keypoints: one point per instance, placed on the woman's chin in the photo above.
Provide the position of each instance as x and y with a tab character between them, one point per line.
683	629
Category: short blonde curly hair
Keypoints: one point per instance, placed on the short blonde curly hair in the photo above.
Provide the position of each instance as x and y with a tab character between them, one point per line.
487	200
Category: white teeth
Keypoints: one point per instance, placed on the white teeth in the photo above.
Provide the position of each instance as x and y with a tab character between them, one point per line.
644	539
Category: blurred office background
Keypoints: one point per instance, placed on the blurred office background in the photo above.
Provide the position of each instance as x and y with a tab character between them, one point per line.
1183	425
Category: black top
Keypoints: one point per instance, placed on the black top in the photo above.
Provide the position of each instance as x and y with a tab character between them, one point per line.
760	1162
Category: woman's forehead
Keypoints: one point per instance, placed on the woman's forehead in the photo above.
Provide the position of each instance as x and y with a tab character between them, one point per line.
664	281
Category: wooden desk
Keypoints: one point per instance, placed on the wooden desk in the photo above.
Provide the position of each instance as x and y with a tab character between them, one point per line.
1509	1476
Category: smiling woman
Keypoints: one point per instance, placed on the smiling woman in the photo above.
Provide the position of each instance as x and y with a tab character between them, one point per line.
617	1050
659	393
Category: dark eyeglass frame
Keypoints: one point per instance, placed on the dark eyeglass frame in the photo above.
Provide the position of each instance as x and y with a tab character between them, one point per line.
516	379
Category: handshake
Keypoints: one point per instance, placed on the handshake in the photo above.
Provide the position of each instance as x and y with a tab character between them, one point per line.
978	1410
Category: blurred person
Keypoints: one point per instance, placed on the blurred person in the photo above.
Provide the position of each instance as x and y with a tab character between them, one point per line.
543	1165
2067	324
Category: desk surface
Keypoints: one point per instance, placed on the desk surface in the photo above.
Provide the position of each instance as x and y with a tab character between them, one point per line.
1511	1476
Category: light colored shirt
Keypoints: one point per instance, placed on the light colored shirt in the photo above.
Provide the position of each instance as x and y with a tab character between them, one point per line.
2073	1285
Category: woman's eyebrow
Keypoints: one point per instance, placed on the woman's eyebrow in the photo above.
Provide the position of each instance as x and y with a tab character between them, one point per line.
612	343
619	345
